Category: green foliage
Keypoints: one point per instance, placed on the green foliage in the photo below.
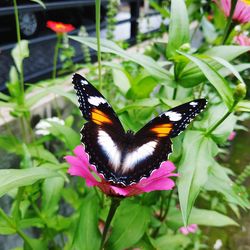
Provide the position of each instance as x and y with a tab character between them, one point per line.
63	211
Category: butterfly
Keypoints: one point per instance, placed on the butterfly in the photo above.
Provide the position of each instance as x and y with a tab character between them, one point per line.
124	157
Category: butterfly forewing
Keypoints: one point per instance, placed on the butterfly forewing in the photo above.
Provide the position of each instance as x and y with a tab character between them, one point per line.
94	106
174	121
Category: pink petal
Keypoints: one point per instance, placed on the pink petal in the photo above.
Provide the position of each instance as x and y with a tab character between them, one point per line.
78	168
184	230
81	154
192	228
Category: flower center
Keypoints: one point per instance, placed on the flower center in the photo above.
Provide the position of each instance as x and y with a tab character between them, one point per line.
246	2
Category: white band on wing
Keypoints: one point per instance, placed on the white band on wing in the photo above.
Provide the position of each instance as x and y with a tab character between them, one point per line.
139	154
109	148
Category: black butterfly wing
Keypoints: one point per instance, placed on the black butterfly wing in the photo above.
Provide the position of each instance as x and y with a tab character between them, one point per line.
174	121
103	134
94	106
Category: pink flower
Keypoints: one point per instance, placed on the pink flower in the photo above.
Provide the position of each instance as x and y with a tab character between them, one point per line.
192	228
242	40
159	179
242	10
231	136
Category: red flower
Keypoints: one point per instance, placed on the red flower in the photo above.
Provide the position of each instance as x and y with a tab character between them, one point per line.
159	179
59	27
242	10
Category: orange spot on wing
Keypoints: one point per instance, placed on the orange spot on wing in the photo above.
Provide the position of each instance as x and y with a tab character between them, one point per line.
99	117
162	130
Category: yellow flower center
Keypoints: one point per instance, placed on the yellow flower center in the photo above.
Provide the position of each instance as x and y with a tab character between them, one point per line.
246	2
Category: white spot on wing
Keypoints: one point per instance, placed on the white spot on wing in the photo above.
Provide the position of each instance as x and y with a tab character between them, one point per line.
110	148
96	101
194	104
84	82
173	116
138	155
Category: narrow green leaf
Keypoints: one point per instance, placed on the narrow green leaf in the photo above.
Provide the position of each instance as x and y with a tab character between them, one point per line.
14	178
227	52
192	75
193	169
129	226
178	27
39	2
51	189
243	106
240	67
87	235
210	218
147	62
19	53
219	181
214	78
229	66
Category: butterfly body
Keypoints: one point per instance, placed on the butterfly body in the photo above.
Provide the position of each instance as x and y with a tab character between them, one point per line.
124	158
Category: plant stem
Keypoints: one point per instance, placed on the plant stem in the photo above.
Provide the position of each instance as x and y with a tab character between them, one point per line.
163	215
58	41
98	37
115	202
13	225
18	34
230	24
217	124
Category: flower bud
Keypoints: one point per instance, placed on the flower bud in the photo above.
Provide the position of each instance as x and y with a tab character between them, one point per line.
185	47
240	91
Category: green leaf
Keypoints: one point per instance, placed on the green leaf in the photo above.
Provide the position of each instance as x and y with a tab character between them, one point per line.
4	97
148	102
243	106
229	66
147	62
173	242
214	78
209	30
129	226
162	10
14	178
20	52
178	27
192	75
87	235
142	88
210	218
121	80
240	67
227	52
51	189
67	134
193	169
39	2
31	222
5	229
219	181
211	117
